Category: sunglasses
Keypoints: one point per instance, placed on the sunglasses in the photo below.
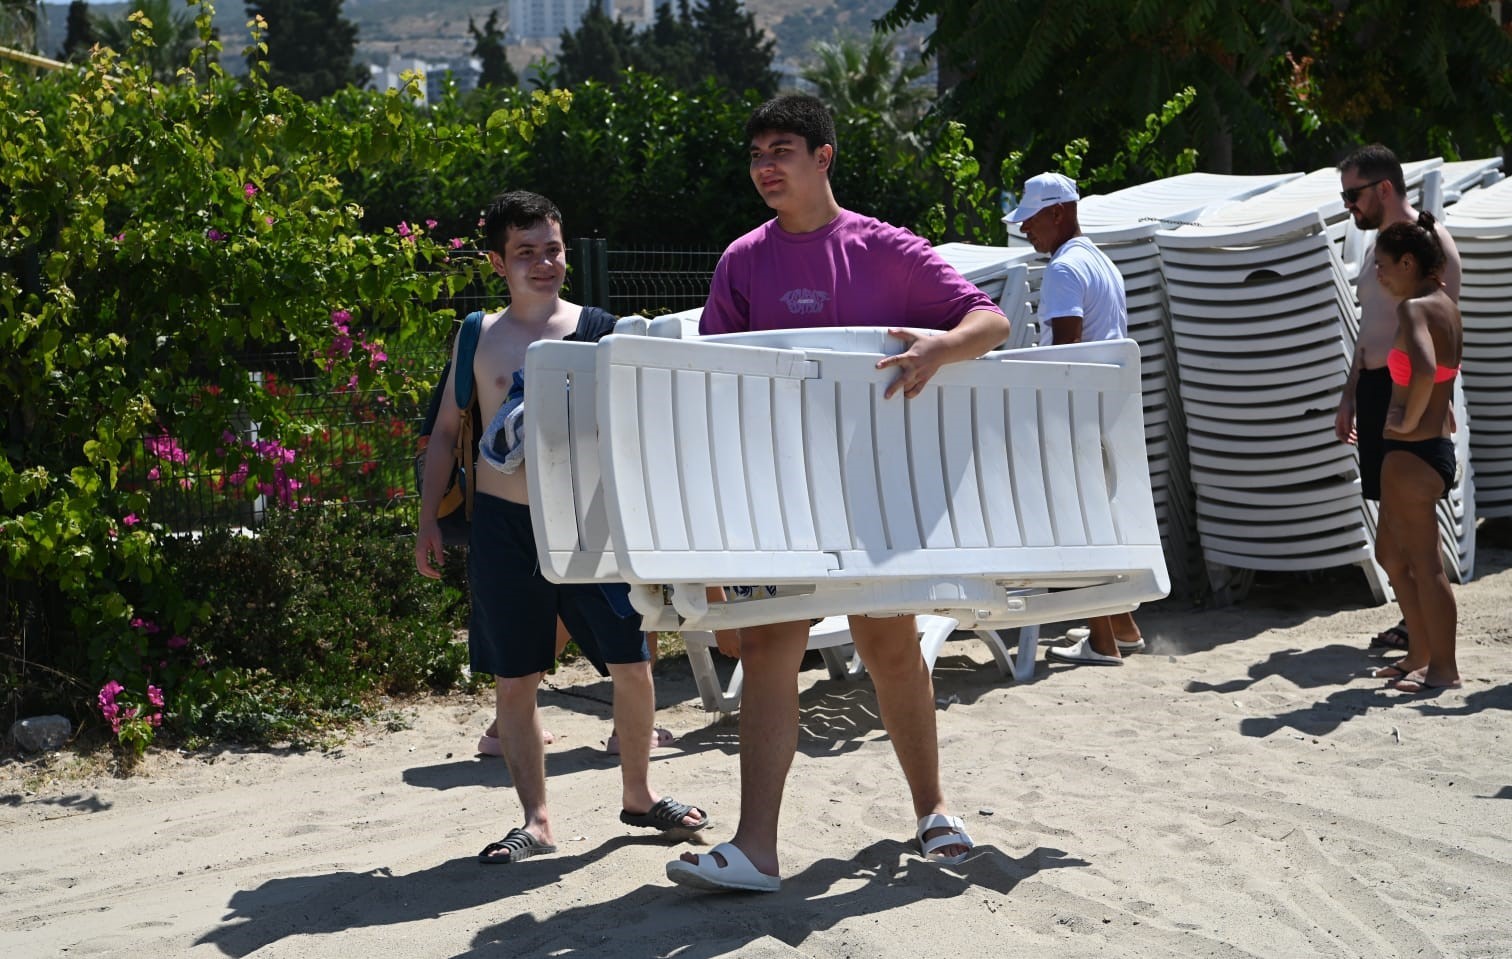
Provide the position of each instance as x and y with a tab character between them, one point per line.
1353	193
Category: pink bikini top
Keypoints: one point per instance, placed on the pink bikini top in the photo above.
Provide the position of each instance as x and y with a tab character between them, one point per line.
1400	366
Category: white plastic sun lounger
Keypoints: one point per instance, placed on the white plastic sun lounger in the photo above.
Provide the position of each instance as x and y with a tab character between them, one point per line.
584	552
725	464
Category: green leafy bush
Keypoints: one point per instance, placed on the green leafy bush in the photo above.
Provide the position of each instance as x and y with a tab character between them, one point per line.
154	236
318	611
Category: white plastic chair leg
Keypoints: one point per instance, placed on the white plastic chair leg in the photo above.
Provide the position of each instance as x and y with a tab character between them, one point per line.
1021	665
933	631
724	701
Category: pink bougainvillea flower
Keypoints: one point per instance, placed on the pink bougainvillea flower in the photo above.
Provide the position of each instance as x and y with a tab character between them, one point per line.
430	224
165	447
154	695
341	317
119	237
130	519
456	243
249	191
214	235
404	229
154	474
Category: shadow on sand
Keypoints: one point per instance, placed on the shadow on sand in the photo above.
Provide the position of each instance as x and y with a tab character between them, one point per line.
658	918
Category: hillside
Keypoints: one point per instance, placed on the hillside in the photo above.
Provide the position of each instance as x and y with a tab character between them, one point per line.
437	29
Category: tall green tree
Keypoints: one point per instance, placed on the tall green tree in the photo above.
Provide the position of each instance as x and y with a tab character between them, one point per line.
849	75
488	47
1279	84
167	35
715	40
669	47
1073	69
598	49
1428	77
733	49
80	35
309	46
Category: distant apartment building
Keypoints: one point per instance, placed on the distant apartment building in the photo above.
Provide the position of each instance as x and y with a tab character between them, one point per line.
546	19
464	73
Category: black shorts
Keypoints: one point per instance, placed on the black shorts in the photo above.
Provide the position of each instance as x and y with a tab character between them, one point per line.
1437	452
1372	400
512	630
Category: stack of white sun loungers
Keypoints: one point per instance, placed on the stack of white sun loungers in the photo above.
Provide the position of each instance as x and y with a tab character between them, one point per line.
674	465
1123	225
1265	326
1481	224
1442	190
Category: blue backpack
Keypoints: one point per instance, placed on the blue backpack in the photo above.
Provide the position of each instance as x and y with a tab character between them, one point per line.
454	515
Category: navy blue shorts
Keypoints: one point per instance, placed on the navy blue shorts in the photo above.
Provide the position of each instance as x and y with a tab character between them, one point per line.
1372	400
512	630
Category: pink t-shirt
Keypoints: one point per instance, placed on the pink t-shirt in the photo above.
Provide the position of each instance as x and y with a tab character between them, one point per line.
855	271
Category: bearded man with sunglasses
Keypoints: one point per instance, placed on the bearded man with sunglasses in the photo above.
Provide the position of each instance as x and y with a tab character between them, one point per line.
1375	193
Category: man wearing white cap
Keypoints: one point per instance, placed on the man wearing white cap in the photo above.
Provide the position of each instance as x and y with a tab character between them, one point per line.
1081	299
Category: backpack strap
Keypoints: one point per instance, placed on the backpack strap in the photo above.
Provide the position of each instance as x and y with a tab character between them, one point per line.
467	400
467	348
593	325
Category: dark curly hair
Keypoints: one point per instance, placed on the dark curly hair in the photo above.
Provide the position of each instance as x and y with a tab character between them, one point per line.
1418	238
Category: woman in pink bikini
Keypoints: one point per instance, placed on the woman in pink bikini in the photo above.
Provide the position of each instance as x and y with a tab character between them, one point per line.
1419	465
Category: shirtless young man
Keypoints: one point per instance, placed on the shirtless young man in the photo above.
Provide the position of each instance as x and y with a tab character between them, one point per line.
513	625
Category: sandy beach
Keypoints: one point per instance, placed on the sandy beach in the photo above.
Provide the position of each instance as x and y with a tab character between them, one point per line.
1241	789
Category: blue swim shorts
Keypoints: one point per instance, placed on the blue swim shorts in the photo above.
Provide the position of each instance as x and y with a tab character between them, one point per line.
512	629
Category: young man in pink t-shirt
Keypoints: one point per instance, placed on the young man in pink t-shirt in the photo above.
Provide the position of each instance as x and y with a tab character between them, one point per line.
816	264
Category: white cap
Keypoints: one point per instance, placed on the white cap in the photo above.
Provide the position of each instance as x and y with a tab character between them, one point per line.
1045	190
